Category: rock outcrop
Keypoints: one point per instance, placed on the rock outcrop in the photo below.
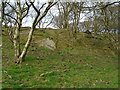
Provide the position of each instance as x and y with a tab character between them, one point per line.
46	42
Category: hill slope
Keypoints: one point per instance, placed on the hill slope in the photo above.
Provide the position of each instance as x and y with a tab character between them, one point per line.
81	62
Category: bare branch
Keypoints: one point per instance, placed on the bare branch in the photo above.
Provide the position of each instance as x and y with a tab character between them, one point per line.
45	12
11	17
42	6
49	22
28	7
34	7
11	6
110	4
37	10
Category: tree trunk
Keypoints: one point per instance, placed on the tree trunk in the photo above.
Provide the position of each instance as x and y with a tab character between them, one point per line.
17	41
37	19
23	54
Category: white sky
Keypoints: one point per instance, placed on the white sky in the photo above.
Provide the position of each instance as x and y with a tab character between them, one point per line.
27	21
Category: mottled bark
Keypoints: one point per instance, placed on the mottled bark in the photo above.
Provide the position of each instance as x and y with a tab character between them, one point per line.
16	40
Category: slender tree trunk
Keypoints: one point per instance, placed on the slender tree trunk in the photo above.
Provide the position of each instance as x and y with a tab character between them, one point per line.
17	41
23	53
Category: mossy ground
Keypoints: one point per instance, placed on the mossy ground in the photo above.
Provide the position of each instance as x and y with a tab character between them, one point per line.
87	64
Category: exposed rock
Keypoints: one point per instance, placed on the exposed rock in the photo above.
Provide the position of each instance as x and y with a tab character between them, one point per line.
46	42
41	41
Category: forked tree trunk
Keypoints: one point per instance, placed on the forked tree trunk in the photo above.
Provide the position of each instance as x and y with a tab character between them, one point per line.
35	22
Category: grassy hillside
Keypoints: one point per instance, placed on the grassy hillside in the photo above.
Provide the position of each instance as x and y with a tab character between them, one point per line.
81	62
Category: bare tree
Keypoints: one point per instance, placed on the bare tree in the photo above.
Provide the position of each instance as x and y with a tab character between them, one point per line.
62	19
110	20
21	10
37	19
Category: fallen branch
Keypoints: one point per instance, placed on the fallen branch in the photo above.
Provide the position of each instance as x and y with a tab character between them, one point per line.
44	74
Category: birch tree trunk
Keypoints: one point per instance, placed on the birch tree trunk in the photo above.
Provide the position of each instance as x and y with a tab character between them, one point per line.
20	11
37	19
23	54
16	40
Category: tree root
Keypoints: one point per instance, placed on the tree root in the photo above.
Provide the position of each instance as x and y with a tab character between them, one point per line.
19	61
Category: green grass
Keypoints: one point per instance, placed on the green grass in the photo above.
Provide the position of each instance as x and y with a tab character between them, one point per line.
41	33
71	67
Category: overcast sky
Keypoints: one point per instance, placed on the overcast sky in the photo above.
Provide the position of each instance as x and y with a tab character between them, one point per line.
28	21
